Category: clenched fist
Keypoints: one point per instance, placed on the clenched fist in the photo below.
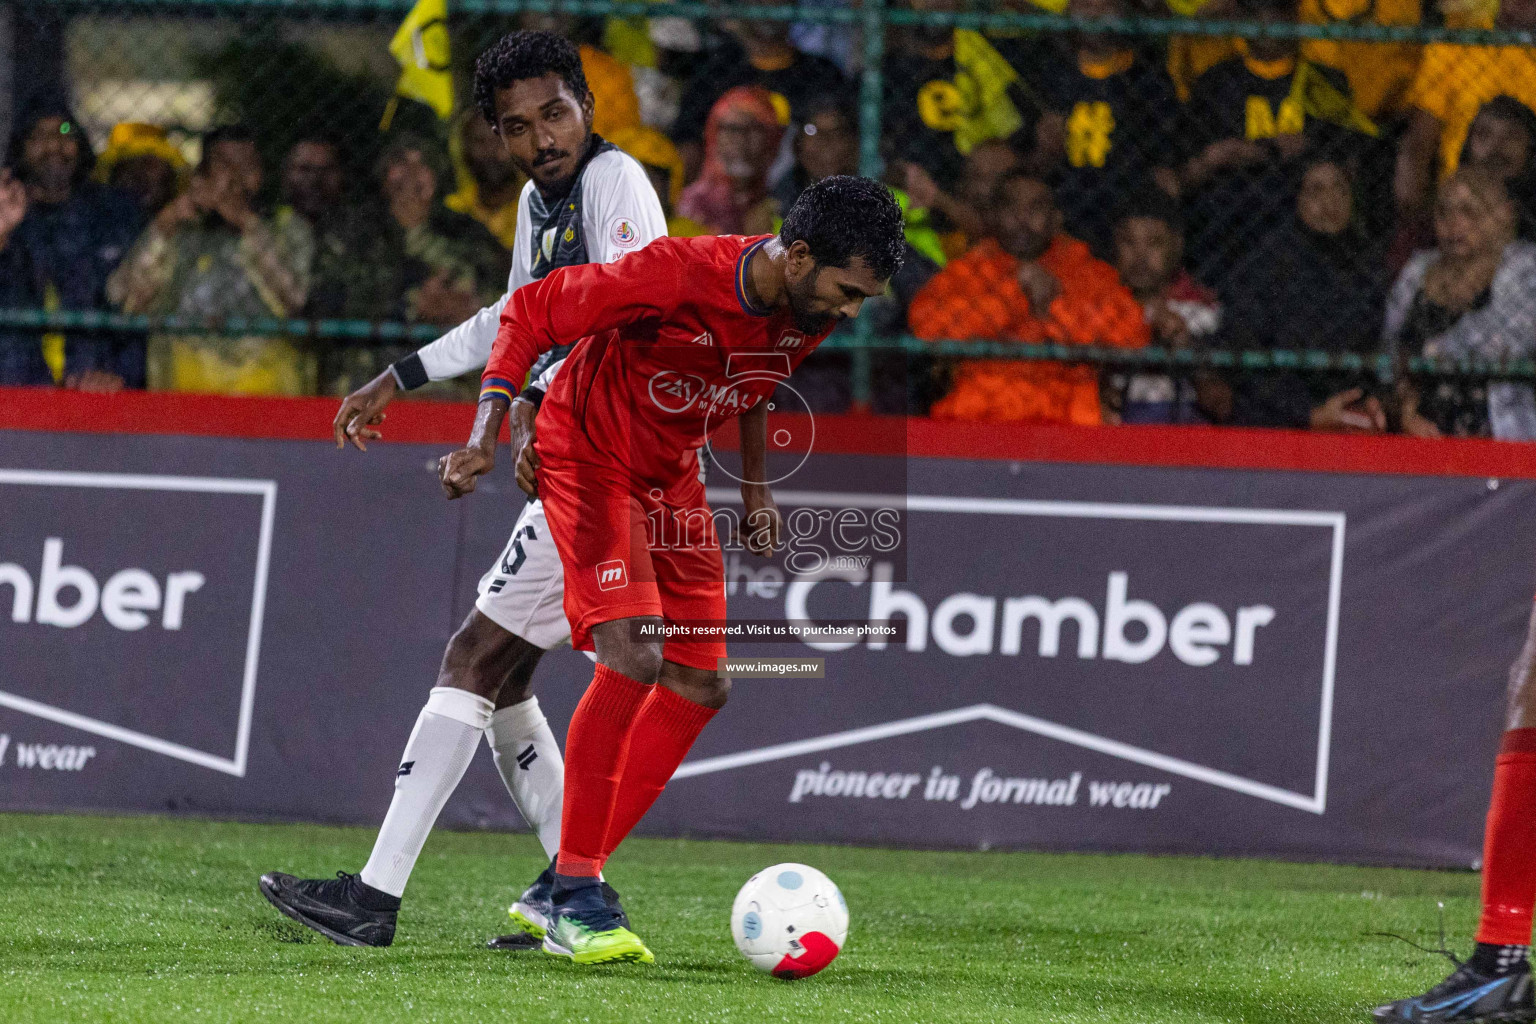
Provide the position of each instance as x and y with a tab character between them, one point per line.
459	471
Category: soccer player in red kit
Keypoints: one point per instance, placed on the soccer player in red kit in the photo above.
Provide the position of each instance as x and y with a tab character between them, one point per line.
673	339
1494	984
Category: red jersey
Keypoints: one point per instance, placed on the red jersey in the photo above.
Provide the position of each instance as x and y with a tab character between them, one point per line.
670	347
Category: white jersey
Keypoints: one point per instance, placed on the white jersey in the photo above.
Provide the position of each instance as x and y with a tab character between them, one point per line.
543	380
611	210
619	213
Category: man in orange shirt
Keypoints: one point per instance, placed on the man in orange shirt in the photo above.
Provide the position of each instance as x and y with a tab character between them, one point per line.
1030	283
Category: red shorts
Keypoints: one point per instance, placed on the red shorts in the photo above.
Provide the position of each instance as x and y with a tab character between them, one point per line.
627	554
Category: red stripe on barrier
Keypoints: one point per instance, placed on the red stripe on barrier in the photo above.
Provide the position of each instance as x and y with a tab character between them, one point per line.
309	419
284	419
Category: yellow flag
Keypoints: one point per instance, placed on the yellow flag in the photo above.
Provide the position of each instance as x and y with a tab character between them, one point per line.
975	106
1321	99
986	76
421	47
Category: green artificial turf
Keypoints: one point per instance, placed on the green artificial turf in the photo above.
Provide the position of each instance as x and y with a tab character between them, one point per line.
145	919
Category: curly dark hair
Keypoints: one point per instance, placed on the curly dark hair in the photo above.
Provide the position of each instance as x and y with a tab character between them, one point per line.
526	54
843	217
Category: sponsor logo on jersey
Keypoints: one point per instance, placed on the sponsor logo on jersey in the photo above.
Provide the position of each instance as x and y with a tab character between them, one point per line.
704	339
791	339
611	575
730	399
675	392
625	236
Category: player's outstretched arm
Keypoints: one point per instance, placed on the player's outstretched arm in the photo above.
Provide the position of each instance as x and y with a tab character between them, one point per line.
363	410
761	522
465	348
459	471
573	303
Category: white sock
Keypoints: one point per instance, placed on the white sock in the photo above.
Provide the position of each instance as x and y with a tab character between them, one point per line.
530	764
436	756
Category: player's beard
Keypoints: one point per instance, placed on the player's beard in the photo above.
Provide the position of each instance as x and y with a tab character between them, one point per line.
808	324
562	186
556	186
800	297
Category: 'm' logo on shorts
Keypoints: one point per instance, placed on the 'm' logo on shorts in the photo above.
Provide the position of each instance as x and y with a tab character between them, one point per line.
610	575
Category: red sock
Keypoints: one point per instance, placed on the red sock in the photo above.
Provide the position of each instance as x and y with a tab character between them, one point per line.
1509	848
595	747
663	732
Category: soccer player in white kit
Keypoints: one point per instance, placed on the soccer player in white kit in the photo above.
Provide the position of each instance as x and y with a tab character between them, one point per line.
585	202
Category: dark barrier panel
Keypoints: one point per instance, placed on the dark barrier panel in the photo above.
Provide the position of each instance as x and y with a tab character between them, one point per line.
1097	657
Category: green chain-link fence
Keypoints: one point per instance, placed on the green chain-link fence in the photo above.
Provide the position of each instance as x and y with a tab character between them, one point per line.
1211	210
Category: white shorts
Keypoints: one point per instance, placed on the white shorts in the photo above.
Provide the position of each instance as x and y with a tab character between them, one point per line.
524	591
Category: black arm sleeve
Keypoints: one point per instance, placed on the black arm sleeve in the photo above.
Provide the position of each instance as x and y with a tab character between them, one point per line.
410	372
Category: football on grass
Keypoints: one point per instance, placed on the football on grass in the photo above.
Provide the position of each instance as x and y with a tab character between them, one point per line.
789	920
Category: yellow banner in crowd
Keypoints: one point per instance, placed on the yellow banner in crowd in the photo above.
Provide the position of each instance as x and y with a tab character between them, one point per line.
1321	99
975	106
421	47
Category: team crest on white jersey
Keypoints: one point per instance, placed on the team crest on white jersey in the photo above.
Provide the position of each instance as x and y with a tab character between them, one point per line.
624	233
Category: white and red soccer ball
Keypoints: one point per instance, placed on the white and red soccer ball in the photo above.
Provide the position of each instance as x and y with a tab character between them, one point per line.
789	920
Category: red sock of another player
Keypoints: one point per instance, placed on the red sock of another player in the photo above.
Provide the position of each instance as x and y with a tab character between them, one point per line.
663	732
1509	848
596	745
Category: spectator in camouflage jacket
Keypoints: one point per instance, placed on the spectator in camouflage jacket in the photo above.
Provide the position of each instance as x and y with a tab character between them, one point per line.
418	261
210	254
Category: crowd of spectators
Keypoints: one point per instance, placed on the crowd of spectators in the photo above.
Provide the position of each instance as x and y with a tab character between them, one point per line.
1087	189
